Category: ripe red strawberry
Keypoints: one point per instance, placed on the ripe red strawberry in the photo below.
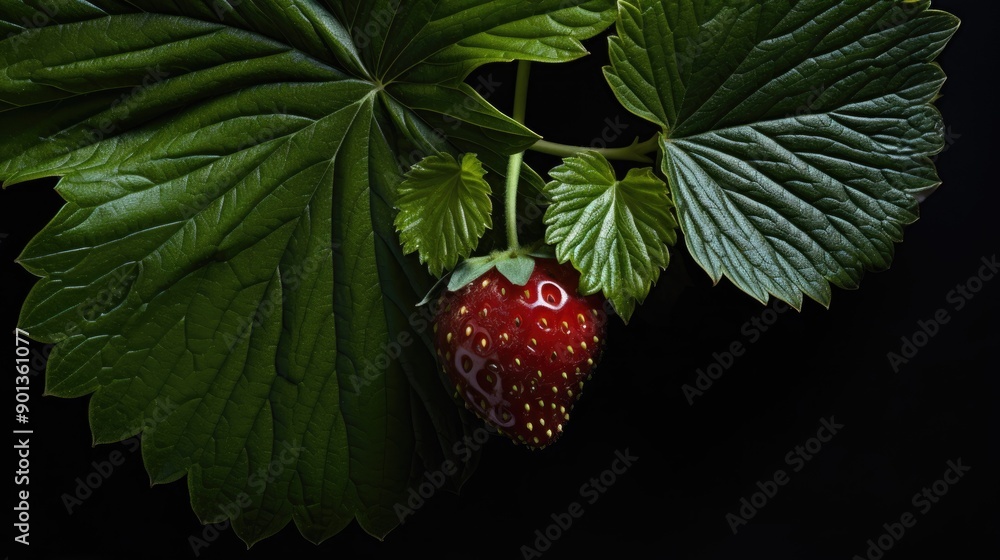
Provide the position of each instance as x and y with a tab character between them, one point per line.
518	355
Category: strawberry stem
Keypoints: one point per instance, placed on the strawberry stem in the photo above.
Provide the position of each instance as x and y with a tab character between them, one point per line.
513	172
514	167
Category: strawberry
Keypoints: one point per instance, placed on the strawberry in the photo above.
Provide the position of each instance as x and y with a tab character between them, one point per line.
518	355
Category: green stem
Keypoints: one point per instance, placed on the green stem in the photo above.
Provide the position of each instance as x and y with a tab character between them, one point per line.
513	173
521	90
638	151
514	167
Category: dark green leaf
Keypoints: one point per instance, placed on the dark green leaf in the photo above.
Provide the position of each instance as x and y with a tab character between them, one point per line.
225	276
795	132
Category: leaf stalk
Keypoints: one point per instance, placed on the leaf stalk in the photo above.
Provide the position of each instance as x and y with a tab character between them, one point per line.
516	160
637	151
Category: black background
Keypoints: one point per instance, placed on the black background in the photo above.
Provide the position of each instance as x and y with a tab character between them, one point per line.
695	462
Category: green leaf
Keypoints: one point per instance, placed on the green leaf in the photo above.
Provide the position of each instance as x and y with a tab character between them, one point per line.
468	271
795	133
225	275
615	232
444	208
517	269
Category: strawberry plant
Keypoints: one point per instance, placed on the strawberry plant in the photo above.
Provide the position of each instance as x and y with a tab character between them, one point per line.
260	194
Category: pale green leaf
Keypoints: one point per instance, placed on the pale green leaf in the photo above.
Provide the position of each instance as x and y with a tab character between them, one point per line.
616	233
444	208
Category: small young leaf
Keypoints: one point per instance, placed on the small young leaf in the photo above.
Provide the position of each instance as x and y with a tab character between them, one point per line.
795	133
444	208
615	232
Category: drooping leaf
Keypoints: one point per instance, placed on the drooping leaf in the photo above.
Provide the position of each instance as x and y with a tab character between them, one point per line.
515	266
615	232
225	276
795	133
444	208
469	270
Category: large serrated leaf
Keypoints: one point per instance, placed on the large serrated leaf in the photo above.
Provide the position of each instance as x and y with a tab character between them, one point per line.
795	132
227	251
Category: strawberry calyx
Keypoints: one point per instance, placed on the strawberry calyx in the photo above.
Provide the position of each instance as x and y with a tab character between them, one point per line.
516	265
